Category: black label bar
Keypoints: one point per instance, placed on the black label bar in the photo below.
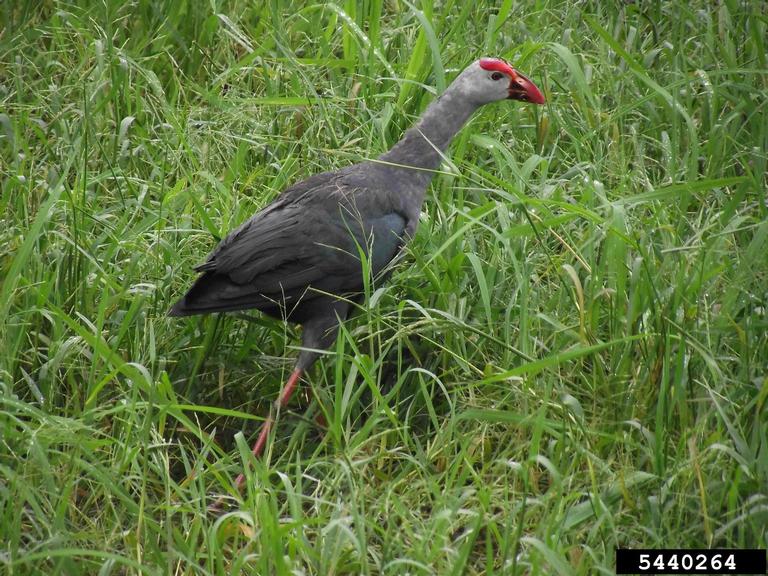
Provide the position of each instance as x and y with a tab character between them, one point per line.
716	561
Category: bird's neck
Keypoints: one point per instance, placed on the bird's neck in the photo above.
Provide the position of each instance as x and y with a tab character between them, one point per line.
421	149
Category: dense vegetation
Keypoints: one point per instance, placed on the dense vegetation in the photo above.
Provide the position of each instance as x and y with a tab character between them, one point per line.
572	356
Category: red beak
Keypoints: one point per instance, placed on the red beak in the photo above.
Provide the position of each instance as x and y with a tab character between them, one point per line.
520	88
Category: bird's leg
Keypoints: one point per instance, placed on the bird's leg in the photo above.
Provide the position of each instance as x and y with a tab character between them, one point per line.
266	427
319	333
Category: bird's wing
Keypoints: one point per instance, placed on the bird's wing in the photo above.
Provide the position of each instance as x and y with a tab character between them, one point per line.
306	243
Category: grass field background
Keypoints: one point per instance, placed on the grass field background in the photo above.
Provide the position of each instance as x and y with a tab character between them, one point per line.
572	357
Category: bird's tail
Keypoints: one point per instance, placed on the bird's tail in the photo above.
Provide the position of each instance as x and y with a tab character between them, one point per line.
215	293
182	309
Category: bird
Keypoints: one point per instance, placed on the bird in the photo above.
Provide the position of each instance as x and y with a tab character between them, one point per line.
300	258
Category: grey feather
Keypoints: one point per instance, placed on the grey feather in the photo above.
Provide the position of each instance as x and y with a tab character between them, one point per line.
299	257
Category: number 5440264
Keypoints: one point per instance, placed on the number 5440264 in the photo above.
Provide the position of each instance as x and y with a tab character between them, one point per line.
687	562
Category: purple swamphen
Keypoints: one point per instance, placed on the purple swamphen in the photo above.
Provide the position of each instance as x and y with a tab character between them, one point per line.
299	258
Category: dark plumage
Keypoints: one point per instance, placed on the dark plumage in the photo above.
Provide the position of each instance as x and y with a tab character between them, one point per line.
299	258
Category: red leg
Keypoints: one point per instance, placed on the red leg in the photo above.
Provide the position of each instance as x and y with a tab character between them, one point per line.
266	427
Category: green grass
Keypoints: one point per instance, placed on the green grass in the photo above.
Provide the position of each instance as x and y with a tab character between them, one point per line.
572	357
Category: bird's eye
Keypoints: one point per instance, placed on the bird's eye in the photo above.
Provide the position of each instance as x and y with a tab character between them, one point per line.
497	76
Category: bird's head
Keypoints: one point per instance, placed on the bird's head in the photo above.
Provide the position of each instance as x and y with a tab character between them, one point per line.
492	79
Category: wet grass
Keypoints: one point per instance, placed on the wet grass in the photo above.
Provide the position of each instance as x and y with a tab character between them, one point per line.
572	357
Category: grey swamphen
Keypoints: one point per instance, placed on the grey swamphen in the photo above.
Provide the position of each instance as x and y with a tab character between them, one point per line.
299	258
